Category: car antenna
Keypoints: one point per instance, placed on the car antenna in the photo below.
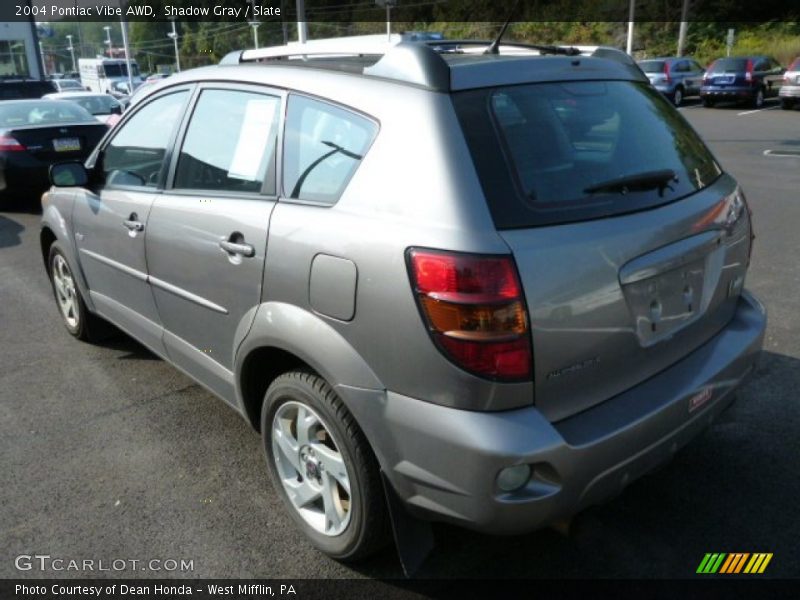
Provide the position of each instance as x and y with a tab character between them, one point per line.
494	47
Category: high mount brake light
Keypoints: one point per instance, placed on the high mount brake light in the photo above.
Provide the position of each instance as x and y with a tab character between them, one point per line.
474	308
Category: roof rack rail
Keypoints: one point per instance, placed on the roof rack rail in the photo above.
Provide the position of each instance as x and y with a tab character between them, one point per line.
419	62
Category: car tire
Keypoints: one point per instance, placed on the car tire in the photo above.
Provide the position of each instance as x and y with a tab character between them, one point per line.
677	96
787	103
304	426
758	99
708	102
79	320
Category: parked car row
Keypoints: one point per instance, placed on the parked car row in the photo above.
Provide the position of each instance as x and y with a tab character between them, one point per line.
751	79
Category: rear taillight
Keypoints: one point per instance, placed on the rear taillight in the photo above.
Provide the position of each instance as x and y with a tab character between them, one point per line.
474	308
748	76
10	144
667	78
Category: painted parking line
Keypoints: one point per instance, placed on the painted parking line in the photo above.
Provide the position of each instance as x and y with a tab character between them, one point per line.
783	153
750	112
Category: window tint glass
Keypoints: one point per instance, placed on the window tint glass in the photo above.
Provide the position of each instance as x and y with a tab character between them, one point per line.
652	66
566	144
323	147
728	65
48	112
136	154
230	143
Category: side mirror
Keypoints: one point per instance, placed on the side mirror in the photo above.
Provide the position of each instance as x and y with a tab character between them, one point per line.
116	109
70	174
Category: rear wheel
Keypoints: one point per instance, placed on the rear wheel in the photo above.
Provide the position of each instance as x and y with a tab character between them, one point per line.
76	317
787	103
758	99
323	467
677	96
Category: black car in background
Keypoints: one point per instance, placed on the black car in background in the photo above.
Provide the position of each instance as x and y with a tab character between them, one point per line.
16	88
742	79
34	134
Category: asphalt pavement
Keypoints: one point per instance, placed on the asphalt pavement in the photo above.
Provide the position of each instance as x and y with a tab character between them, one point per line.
109	453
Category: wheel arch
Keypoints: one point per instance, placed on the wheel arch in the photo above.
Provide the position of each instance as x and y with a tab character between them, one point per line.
285	337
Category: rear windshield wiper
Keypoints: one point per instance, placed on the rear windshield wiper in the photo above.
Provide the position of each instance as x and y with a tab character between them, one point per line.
565	50
648	180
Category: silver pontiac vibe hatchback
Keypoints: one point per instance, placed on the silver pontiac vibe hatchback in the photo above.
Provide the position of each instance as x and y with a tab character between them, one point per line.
490	289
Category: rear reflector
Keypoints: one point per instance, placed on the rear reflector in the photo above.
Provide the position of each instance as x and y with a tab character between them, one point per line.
10	144
474	309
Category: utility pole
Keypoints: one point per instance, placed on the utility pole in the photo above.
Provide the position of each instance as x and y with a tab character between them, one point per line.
302	31
629	47
72	52
683	28
173	35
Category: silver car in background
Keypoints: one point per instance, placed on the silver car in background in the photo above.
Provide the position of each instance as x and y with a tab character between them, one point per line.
494	288
790	90
676	77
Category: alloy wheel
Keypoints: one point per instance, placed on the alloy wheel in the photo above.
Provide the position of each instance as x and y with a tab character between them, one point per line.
66	294
311	468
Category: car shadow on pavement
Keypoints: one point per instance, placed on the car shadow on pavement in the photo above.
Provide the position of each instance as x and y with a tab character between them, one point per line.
121	342
10	231
727	489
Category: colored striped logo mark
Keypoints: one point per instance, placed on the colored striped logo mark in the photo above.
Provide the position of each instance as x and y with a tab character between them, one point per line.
735	562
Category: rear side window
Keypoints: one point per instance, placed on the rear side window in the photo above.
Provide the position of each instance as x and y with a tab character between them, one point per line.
545	152
230	143
323	147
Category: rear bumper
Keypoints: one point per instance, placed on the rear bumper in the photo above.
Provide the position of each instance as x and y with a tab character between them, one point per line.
727	92
789	91
443	462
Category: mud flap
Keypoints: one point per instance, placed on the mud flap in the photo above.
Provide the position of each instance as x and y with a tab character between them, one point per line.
413	537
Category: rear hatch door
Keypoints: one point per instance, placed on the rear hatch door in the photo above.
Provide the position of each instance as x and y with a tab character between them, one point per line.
620	280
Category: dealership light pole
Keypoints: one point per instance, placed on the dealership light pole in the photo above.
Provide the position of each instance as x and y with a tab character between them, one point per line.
41	56
124	27
173	35
302	31
71	49
108	39
629	46
254	23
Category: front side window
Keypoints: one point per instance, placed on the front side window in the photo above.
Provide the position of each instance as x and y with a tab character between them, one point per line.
135	155
323	147
230	143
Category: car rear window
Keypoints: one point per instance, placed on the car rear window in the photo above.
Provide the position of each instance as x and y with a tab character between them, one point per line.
795	66
728	65
652	66
540	149
22	114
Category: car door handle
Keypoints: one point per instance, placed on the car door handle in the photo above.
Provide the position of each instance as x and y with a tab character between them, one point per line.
234	248
133	225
